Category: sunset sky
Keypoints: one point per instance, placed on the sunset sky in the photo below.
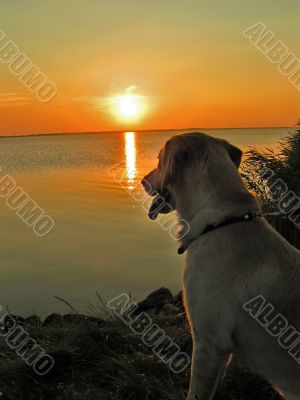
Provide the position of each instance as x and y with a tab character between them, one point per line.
187	62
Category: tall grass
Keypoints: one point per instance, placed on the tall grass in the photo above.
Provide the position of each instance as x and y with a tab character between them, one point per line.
284	161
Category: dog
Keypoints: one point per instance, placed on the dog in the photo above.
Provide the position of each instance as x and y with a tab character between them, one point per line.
241	279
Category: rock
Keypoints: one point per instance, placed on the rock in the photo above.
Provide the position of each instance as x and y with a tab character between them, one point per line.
10	321
60	320
178	301
78	318
9	317
169	309
33	320
54	319
155	302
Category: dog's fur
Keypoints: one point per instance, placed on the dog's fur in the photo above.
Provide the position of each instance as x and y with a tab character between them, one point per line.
227	266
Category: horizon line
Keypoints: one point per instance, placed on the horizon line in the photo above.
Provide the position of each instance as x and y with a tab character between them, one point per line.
139	130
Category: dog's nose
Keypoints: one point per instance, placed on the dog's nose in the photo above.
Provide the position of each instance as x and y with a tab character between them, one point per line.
147	187
143	182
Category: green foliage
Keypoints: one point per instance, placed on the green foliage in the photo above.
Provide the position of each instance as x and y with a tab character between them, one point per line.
284	161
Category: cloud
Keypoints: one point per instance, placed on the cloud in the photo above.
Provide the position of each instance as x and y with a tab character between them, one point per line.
11	99
97	102
106	103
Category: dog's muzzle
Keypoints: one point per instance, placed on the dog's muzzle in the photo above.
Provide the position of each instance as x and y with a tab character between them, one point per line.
161	202
160	205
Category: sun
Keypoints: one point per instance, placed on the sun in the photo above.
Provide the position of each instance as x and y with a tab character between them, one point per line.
128	107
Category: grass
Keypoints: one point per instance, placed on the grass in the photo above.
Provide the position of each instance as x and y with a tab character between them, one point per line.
284	162
104	360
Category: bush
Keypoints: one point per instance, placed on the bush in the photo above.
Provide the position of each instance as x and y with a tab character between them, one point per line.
284	162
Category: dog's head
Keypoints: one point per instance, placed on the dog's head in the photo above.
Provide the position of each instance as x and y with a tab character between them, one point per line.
176	160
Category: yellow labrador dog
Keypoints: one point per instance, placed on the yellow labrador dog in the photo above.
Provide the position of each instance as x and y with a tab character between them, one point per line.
242	279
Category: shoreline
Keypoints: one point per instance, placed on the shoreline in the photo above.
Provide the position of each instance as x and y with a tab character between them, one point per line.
103	359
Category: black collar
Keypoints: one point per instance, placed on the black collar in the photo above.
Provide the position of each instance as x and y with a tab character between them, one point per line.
249	216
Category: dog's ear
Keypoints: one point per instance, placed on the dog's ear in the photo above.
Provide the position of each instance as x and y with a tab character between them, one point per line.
175	159
234	153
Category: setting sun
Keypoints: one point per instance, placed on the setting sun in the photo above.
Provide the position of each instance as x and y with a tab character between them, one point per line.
128	107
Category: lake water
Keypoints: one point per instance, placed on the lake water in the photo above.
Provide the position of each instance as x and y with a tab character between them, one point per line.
102	240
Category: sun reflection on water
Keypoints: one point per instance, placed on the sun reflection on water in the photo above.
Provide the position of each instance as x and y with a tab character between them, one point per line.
130	156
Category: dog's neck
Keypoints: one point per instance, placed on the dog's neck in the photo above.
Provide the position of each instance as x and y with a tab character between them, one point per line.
211	203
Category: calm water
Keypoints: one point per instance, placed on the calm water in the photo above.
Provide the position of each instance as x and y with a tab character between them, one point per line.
103	240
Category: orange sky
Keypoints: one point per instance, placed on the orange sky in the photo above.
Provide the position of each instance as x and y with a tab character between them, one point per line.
189	60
